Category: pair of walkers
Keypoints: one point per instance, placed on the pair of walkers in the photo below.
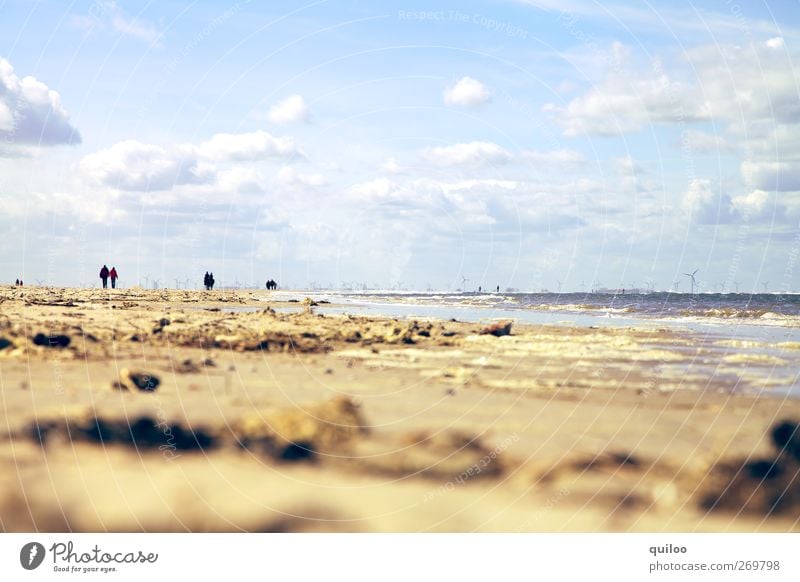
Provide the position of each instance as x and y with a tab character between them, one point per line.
105	275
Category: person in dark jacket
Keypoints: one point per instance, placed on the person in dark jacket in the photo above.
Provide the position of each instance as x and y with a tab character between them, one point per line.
104	276
112	274
211	281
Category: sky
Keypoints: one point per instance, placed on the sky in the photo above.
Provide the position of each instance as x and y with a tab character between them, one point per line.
526	144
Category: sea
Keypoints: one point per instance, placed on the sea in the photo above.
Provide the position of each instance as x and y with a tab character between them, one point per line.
754	324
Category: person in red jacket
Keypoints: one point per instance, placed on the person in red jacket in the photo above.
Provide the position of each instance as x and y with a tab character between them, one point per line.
113	276
104	276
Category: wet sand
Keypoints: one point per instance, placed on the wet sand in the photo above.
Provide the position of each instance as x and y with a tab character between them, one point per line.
134	410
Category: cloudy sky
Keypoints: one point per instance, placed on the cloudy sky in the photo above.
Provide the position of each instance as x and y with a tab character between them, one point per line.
526	144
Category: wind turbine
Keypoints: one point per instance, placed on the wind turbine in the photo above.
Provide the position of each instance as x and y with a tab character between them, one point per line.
677	285
559	285
464	283
691	276
736	285
177	283
583	285
765	283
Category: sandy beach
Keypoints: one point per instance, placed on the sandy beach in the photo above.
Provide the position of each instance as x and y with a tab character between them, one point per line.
163	410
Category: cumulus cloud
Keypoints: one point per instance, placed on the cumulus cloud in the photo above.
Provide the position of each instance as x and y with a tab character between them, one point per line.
390	166
257	145
292	177
626	102
756	204
31	113
135	166
561	157
467	92
700	141
290	110
472	153
706	204
773	176
132	165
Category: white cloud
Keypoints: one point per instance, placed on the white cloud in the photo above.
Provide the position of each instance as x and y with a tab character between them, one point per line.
377	189
700	141
257	145
289	110
706	204
135	166
561	157
390	166
467	92
754	205
108	15
775	43
772	176
31	113
290	176
132	165
626	102
472	153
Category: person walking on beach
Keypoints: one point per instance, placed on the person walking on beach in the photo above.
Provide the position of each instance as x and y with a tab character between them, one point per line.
104	276
205	280
16	283
211	281
112	274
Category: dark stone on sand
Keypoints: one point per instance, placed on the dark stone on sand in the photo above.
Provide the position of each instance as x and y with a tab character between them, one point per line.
786	438
138	380
497	329
51	341
299	451
4	343
764	469
768	486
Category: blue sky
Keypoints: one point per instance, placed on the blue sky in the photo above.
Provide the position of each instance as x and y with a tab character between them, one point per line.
526	144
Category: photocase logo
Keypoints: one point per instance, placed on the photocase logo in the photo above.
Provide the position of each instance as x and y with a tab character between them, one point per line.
31	555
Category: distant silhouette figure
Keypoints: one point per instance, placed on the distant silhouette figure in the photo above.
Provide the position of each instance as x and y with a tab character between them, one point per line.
104	276
21	284
113	276
498	288
211	281
206	284
16	283
479	288
271	285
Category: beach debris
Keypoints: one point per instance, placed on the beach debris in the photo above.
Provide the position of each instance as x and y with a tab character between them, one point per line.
453	457
160	325
4	343
143	432
143	381
786	438
302	433
51	341
497	329
767	486
308	302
